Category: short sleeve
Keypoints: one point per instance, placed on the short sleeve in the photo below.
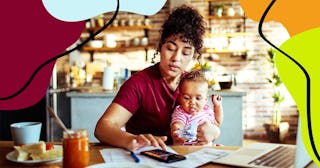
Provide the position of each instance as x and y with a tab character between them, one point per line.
129	95
178	115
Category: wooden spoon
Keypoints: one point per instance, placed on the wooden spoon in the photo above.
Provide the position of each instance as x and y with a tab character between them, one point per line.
58	120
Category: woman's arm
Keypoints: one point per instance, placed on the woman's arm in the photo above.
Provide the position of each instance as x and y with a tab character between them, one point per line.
108	130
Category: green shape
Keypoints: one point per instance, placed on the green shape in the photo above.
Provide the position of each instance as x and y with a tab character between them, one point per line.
305	49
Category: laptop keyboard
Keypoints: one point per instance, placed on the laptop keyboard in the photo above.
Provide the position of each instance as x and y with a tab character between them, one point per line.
282	157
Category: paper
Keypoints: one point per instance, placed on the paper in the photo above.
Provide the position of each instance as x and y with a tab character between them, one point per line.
195	159
201	157
119	155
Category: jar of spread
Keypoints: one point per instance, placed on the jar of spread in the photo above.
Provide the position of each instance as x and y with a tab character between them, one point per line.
75	148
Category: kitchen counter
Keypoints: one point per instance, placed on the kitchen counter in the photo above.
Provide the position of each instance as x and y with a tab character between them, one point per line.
88	105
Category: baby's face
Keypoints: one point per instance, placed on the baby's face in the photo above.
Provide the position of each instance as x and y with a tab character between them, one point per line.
193	96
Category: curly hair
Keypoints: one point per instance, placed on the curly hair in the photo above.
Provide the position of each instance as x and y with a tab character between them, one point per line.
186	22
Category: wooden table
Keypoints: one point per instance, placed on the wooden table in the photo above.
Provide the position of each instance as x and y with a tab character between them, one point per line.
95	157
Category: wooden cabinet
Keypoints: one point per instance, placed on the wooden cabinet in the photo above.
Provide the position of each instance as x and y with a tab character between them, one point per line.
226	28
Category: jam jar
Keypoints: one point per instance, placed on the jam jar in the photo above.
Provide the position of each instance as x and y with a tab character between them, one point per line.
75	148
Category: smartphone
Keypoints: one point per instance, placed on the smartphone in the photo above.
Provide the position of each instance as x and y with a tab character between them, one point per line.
163	156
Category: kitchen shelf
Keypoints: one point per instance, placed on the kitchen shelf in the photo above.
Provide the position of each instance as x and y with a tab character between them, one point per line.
118	28
226	20
224	51
116	49
130	31
235	34
225	17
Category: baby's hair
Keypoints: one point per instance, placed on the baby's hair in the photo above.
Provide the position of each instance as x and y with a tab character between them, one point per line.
194	75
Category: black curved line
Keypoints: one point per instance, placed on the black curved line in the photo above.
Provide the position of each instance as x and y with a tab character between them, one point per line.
305	73
62	54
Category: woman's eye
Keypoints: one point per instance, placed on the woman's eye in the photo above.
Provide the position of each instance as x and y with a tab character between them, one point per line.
171	48
186	53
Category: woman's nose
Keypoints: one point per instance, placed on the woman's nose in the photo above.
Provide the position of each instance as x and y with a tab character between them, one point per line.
177	56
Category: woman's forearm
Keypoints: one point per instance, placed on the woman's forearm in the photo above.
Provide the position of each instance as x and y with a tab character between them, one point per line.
108	129
109	133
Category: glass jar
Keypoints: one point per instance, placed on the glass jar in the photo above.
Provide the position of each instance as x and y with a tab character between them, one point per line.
75	149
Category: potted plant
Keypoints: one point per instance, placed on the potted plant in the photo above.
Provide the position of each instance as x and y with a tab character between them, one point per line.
276	129
204	67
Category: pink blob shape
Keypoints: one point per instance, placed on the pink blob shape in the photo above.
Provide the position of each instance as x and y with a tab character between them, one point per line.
30	36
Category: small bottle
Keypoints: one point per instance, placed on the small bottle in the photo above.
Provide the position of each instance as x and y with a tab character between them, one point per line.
75	149
74	74
108	77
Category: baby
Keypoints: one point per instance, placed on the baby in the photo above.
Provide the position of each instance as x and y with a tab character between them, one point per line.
194	109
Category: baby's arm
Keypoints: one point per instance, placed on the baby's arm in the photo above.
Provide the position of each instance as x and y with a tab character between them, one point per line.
174	127
218	110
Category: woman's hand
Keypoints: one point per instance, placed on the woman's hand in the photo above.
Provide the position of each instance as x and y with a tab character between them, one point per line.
207	133
143	140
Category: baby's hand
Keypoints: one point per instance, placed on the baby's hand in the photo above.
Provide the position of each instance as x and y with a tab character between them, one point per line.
177	139
216	100
176	130
207	132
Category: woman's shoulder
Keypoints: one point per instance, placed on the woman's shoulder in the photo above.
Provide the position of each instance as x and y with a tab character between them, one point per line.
149	73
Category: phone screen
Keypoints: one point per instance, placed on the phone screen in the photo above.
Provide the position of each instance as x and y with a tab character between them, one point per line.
163	156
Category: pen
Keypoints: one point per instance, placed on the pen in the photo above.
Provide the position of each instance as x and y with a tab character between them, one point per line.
135	157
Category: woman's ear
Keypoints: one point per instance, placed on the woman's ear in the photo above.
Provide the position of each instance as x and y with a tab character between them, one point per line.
196	56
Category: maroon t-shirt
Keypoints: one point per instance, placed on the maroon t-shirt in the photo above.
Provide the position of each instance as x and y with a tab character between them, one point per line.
151	102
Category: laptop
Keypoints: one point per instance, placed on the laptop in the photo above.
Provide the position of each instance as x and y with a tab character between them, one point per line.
267	155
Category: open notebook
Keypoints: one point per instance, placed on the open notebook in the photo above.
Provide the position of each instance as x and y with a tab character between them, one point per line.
269	155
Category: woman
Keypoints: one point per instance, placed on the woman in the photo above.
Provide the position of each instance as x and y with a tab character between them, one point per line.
145	102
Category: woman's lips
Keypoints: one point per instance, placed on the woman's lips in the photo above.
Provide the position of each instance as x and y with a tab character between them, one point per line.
174	68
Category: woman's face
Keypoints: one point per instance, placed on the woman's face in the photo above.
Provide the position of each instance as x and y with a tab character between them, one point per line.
193	96
175	56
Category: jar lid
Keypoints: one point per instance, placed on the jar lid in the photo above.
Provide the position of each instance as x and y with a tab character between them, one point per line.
77	133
